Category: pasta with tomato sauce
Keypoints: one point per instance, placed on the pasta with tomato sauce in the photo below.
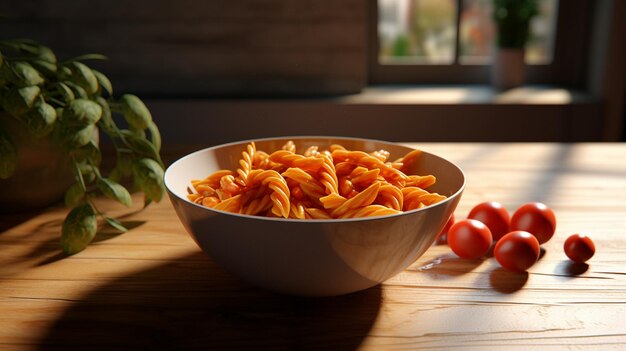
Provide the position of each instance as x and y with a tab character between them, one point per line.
328	184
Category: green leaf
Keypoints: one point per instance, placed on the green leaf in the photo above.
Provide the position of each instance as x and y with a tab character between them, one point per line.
44	53
8	156
46	61
123	166
59	111
84	77
66	92
81	112
103	81
155	136
106	120
74	195
114	191
25	42
79	229
88	57
77	89
65	71
115	224
40	120
85	174
47	68
21	74
149	176
139	133
89	152
79	177
115	175
135	111
141	146
19	101
31	47
90	177
86	168
74	137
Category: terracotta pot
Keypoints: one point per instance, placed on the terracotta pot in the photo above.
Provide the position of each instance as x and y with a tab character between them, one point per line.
507	70
42	175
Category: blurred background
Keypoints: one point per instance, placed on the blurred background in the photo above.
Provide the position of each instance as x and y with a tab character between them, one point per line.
400	70
425	32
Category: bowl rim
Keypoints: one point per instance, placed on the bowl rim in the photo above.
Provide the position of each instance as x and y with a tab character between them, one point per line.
295	220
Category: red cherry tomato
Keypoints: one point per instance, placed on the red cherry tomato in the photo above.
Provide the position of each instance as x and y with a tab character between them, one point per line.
469	238
442	238
517	251
494	216
535	218
579	248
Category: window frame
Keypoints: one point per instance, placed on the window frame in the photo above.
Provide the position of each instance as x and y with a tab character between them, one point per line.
568	66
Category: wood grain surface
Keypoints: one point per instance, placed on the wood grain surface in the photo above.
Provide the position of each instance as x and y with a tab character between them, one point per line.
152	288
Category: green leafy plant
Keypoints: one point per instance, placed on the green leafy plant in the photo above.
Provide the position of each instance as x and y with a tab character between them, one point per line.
512	19
72	103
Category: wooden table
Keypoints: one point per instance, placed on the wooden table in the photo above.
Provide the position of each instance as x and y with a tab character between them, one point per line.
153	288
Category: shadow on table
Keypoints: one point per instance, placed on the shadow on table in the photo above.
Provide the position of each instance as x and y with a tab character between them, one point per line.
449	266
47	235
507	282
571	269
10	220
44	236
189	303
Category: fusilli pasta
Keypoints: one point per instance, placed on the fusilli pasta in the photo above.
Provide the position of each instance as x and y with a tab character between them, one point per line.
334	183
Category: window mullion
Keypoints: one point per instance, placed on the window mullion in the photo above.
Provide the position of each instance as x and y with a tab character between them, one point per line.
457	39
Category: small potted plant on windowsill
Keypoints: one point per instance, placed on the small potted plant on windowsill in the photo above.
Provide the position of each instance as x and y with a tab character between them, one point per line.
512	19
51	117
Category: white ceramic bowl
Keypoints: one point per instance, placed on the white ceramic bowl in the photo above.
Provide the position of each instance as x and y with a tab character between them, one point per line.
312	257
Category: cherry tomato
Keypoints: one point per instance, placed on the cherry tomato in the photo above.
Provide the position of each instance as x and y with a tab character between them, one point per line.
494	216
469	238
579	248
517	251
442	238
535	218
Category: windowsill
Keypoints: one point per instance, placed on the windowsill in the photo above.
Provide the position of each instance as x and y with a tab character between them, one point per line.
440	95
466	94
424	113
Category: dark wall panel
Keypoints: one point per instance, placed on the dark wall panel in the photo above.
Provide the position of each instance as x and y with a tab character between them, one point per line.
206	48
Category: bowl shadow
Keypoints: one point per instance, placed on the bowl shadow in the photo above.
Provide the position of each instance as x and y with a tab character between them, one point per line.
190	303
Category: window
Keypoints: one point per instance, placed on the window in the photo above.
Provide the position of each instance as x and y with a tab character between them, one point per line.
451	41
416	32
